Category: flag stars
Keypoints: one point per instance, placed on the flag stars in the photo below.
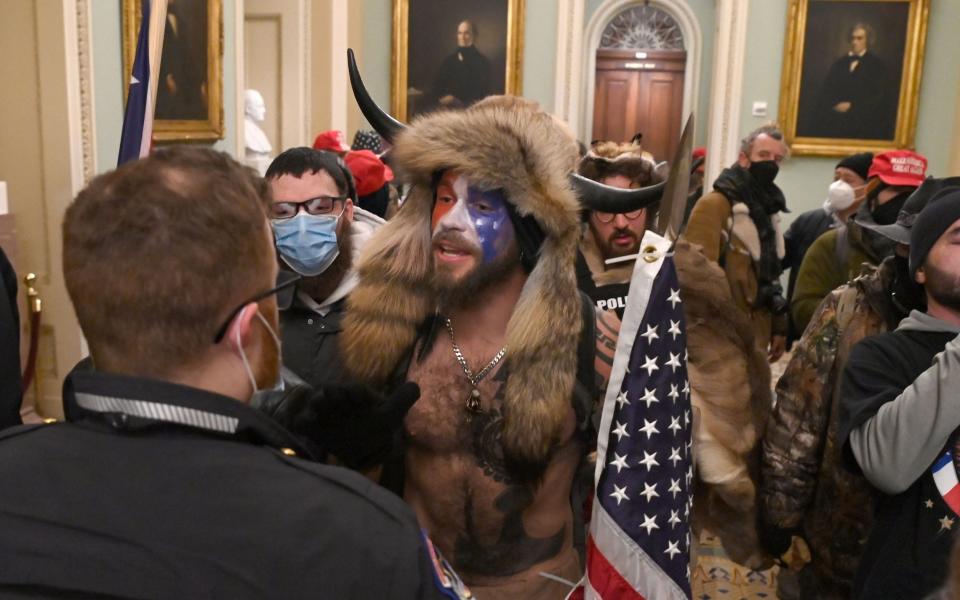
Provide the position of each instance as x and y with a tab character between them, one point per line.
650	365
649	396
649	523
675	456
650	334
674	329
672	549
649	491
649	428
621	431
674	519
674	362
674	394
622	399
928	503
946	523
620	462
674	487
649	460
675	425
686	389
620	493
674	298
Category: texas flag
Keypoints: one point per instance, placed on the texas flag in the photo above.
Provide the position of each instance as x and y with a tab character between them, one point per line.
142	93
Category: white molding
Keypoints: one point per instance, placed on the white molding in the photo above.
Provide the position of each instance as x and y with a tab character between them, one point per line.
723	134
88	130
692	41
566	99
339	40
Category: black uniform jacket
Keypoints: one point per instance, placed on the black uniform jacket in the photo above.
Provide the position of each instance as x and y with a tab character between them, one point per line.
157	490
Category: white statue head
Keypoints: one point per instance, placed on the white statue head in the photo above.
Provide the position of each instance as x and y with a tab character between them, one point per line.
254	106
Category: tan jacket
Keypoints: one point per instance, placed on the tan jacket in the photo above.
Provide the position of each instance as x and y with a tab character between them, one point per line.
728	237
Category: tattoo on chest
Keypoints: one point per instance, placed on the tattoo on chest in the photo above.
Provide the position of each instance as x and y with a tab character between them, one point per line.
514	550
487	432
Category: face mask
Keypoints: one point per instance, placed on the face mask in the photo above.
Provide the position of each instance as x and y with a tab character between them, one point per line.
764	171
886	213
243	355
840	197
308	243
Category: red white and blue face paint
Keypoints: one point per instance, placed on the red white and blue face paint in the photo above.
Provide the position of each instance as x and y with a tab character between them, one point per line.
477	218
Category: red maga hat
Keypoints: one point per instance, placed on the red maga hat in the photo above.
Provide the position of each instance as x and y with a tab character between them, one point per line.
330	140
899	167
369	171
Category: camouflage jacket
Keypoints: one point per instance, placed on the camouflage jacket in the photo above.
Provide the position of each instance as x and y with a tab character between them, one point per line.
804	488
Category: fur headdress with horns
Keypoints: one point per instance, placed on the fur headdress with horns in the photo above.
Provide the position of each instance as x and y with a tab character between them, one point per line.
610	158
502	143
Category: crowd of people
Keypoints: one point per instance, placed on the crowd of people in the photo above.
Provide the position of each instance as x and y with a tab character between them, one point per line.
337	382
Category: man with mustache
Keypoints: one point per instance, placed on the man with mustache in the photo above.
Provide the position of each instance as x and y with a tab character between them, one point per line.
470	291
165	483
614	235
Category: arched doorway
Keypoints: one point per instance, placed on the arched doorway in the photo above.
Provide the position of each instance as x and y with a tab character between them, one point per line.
639	79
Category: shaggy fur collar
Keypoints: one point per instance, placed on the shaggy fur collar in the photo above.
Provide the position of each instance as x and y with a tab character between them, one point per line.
741	226
498	143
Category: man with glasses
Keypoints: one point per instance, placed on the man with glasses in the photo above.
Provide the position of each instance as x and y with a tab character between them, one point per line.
318	231
611	239
165	483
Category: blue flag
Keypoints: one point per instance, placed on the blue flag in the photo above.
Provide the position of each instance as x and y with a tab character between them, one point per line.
136	122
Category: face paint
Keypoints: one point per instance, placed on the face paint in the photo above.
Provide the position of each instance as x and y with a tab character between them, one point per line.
480	217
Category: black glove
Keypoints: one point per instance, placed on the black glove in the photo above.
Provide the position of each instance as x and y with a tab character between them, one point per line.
353	422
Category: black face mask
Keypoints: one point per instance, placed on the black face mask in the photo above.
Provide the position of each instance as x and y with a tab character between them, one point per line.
907	294
886	214
764	171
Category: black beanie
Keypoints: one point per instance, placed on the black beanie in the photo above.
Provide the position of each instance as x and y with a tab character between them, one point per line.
858	163
939	214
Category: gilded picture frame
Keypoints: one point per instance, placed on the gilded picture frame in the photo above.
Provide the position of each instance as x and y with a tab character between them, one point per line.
432	25
190	88
851	75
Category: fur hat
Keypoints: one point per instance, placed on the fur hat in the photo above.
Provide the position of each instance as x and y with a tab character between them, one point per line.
506	143
610	158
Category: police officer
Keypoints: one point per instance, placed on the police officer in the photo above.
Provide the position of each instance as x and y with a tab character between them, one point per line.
165	483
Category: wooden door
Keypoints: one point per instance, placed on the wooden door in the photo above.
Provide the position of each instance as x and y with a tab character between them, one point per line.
640	92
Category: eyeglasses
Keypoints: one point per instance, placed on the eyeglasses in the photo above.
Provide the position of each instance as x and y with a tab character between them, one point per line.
285	279
605	217
321	205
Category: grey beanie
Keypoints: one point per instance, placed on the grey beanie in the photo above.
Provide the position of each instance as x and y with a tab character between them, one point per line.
934	220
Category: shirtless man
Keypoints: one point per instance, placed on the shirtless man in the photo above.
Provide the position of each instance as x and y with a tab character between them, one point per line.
476	273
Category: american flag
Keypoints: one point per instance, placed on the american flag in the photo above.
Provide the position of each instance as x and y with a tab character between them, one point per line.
639	539
135	137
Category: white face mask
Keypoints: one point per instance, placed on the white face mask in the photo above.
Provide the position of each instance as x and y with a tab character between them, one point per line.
246	363
840	197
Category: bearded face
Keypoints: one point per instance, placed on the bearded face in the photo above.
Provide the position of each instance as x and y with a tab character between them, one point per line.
940	273
474	243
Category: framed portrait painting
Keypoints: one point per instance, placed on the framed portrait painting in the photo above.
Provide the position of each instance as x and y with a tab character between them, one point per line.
448	54
851	75
190	87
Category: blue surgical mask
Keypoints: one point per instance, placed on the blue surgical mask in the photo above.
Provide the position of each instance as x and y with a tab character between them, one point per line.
307	243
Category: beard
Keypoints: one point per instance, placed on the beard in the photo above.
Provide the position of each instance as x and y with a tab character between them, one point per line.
464	292
610	250
319	287
267	370
942	286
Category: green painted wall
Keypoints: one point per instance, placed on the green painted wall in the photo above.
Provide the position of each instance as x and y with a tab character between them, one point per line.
803	179
109	79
